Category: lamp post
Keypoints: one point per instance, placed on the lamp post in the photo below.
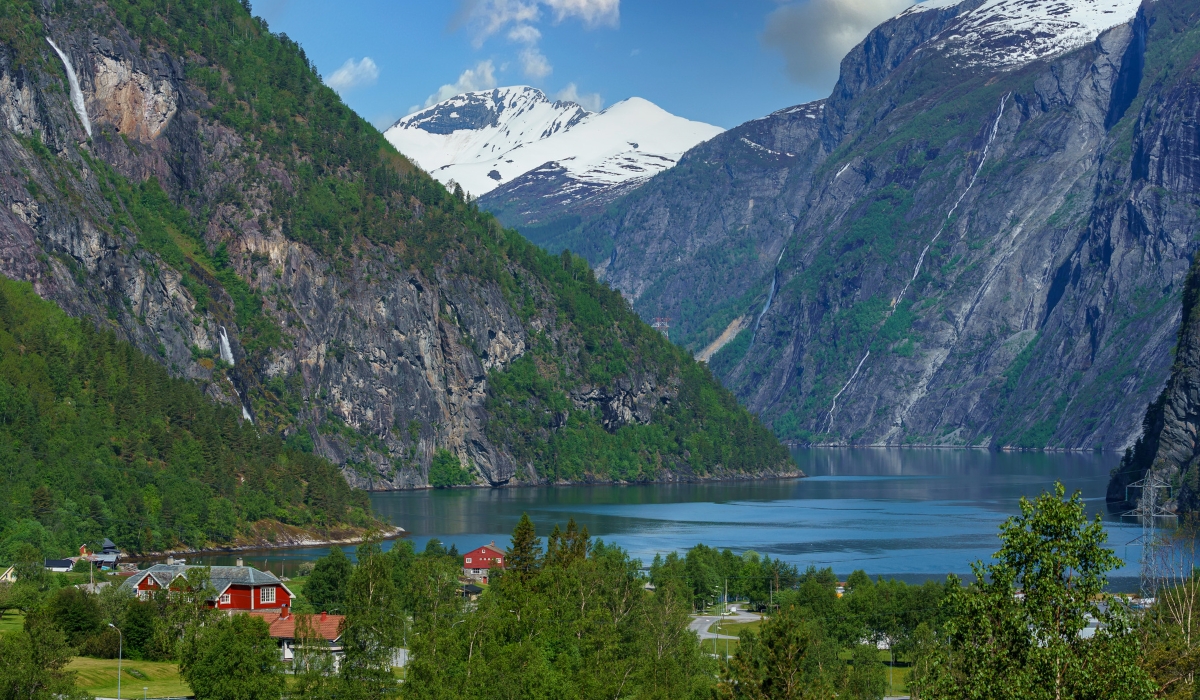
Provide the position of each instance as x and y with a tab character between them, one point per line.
120	653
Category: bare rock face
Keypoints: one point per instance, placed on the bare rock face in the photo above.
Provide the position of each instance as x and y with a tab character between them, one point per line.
377	363
941	253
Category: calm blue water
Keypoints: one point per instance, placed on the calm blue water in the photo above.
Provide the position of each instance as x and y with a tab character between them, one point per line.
910	513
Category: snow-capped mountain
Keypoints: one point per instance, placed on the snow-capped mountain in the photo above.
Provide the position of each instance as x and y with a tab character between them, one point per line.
483	140
1011	33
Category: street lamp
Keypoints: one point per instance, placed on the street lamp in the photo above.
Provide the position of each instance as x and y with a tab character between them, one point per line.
120	653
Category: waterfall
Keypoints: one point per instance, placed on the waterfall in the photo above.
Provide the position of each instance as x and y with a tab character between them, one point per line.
770	298
76	93
921	259
246	414
226	352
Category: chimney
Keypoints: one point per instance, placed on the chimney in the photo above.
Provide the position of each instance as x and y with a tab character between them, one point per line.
323	615
239	561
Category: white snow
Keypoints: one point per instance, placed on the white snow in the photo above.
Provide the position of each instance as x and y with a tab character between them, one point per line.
633	139
1043	28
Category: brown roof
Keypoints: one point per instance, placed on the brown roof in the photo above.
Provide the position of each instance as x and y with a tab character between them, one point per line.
283	624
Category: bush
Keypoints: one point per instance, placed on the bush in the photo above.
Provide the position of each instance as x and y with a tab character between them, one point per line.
446	471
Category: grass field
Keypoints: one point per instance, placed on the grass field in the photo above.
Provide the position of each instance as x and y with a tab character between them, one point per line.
99	677
12	622
734	628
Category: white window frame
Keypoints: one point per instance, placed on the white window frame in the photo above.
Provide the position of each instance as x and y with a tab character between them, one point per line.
262	595
225	599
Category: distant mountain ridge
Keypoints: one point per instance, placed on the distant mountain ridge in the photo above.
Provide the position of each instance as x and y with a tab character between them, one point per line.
529	156
979	238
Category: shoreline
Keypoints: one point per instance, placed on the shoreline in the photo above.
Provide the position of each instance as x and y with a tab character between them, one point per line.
797	474
391	534
985	448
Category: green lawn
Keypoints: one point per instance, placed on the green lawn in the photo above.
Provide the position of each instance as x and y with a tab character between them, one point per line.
12	622
99	677
734	628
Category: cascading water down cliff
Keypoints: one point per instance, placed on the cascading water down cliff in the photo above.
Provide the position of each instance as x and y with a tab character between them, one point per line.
921	259
76	93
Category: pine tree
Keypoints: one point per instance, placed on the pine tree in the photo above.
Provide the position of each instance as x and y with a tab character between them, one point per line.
525	554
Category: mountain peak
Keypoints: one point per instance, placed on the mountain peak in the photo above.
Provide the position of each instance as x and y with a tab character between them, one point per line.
1011	33
486	139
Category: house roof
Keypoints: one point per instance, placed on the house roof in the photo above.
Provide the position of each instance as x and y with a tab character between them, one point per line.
283	624
108	544
490	549
59	563
222	577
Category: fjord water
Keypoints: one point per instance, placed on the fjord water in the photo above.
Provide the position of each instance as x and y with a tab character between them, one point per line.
914	514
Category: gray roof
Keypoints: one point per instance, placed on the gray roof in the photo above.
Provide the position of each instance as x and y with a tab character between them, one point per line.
222	577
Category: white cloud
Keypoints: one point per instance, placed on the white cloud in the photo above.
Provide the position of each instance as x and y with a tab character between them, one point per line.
517	19
590	101
354	74
481	77
815	35
593	12
524	34
534	64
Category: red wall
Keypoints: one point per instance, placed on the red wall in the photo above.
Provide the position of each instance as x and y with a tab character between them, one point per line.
239	599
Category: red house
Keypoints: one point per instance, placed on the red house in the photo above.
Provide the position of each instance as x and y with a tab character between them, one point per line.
477	561
237	587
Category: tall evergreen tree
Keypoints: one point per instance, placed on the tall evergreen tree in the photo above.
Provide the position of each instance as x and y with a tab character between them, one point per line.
326	587
525	553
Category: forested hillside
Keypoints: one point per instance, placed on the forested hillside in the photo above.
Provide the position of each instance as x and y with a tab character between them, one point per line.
213	203
98	441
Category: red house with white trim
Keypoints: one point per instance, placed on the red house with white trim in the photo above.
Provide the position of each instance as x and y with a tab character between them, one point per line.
237	587
478	561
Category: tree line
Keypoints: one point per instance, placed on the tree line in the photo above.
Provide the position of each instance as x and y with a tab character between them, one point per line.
570	616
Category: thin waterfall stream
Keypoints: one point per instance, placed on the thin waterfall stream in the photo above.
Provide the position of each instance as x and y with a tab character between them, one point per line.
76	93
921	259
770	298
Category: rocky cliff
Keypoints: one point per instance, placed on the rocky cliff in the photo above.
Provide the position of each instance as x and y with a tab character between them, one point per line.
1168	451
952	249
179	174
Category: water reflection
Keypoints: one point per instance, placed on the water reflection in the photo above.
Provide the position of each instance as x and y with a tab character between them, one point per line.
912	513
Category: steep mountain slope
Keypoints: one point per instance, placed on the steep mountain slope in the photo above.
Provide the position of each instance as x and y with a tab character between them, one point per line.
531	160
977	239
180	176
98	441
1168	450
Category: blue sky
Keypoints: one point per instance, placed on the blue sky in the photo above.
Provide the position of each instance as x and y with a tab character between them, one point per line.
718	61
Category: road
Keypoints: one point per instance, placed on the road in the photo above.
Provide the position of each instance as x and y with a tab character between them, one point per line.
701	623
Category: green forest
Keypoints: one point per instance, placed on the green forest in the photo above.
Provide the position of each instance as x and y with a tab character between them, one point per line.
97	440
574	617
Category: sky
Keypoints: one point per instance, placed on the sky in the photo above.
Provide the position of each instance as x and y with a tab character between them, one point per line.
718	61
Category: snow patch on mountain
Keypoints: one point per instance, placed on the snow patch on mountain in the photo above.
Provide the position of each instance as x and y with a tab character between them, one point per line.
482	140
1011	33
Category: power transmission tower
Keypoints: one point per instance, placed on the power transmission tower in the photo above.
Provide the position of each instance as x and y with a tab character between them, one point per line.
1150	507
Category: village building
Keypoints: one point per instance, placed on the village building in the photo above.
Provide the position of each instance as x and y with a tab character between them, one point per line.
59	566
282	624
478	561
237	588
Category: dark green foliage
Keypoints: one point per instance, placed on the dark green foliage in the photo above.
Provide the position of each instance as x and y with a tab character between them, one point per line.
446	470
232	658
33	663
326	587
99	440
76	613
525	554
578	627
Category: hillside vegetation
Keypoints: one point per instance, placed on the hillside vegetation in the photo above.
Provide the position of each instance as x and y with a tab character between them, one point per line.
374	318
98	441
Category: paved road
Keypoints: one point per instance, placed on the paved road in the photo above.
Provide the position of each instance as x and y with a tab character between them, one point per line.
701	623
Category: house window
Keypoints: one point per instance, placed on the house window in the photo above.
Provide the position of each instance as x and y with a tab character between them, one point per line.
266	595
143	595
225	599
468	560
